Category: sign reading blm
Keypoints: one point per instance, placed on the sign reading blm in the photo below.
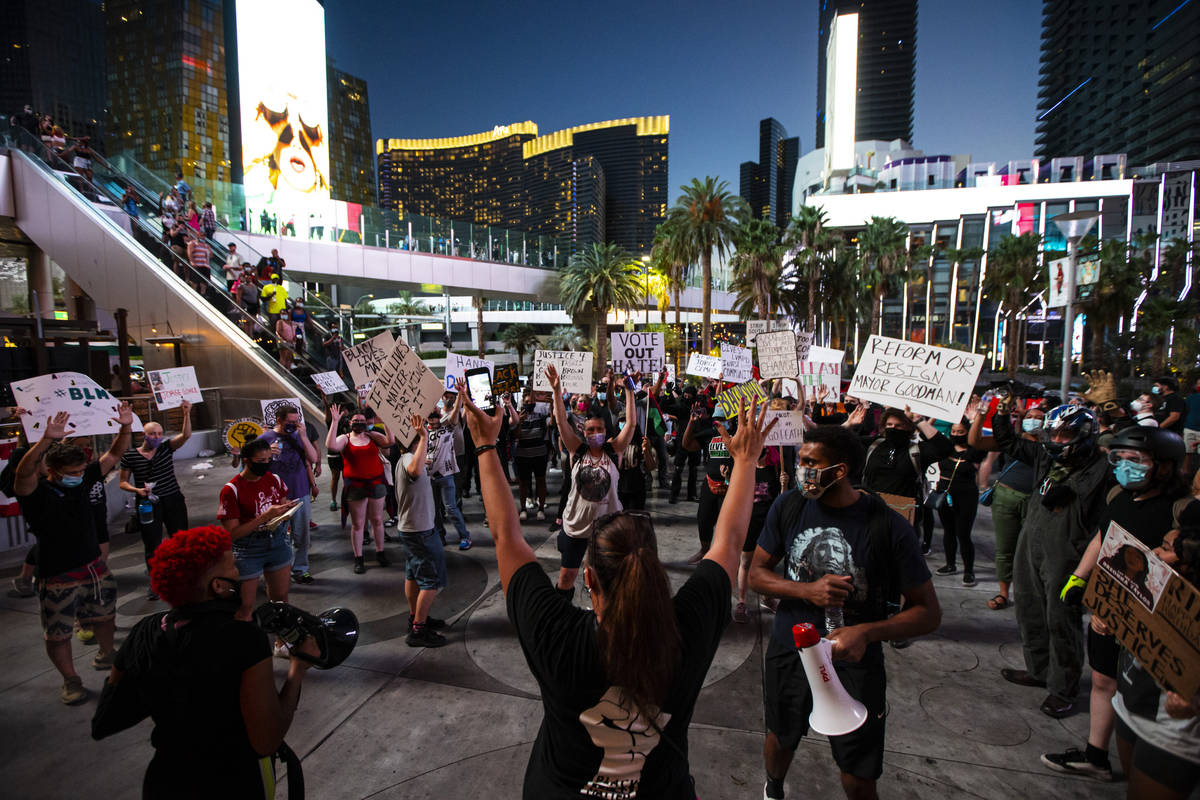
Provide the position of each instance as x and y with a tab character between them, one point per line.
933	381
93	410
634	351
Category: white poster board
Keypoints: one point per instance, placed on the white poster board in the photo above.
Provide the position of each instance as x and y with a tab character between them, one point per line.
574	370
457	366
777	354
404	386
804	343
269	407
933	381
824	354
172	386
635	351
814	374
789	427
703	366
753	328
737	363
93	410
365	358
330	382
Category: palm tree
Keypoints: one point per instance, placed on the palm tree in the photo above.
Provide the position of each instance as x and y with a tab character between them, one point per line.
956	257
707	216
883	248
567	337
757	269
810	245
671	256
406	306
597	280
520	338
1013	275
844	302
1122	271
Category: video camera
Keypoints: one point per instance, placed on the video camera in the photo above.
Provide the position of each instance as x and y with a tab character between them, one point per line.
335	630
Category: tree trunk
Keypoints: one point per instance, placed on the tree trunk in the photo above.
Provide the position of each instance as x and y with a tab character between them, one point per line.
877	313
678	332
1011	337
479	323
812	303
521	360
601	340
706	294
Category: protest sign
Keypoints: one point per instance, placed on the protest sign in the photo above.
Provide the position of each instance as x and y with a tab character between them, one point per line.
404	386
789	427
736	363
670	370
703	366
574	370
172	386
777	354
633	351
93	410
756	326
823	355
814	375
269	407
804	343
330	382
729	398
240	431
364	359
1152	610
457	366
933	381
504	379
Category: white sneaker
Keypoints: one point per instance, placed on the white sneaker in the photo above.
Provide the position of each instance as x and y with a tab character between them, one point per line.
541	515
524	515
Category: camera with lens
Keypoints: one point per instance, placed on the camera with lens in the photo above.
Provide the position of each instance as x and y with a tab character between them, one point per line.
335	631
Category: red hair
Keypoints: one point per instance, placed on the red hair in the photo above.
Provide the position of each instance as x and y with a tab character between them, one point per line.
181	561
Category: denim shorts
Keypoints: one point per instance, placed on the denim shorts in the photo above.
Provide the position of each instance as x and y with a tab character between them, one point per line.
426	560
261	552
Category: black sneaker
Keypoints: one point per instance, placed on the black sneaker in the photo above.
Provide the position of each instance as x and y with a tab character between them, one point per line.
949	569
426	637
359	566
432	623
381	558
302	577
968	579
1075	762
926	549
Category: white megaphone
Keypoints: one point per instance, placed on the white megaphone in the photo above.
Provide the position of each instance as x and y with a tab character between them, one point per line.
834	712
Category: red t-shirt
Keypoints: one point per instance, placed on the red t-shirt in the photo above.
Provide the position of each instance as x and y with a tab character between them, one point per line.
244	500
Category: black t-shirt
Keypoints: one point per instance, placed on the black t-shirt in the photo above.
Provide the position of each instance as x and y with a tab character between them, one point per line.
1172	404
584	744
890	469
1146	520
836	540
63	521
957	472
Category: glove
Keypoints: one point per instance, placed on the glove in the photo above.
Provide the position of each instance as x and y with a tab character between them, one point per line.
1072	591
1102	389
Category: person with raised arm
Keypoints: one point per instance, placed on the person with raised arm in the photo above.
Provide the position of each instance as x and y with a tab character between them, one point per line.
619	683
366	485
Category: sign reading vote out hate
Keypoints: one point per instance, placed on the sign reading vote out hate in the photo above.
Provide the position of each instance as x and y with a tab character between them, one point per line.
330	382
777	354
457	366
703	366
172	386
737	364
574	370
504	379
933	381
789	427
93	410
1152	610
365	358
404	386
749	390
634	351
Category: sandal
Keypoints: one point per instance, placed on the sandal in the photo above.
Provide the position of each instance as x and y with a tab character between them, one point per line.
999	603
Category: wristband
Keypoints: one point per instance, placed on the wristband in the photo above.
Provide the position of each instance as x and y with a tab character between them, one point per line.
484	448
1073	590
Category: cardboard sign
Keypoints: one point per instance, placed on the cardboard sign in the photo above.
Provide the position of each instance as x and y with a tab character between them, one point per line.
637	352
777	355
504	379
457	366
789	427
804	343
703	366
936	382
172	386
404	386
728	399
240	431
330	382
93	410
365	358
904	506
574	370
269	407
1152	610
737	364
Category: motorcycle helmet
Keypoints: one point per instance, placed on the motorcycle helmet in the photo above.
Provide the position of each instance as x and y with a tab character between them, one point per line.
1069	432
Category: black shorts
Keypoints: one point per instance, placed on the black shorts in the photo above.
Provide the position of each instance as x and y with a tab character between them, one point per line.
1102	652
758	518
1177	774
530	467
334	462
788	702
364	490
572	549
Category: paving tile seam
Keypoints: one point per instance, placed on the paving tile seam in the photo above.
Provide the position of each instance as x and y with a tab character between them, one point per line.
448	764
347	718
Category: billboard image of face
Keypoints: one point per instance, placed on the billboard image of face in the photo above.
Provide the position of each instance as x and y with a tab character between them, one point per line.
284	107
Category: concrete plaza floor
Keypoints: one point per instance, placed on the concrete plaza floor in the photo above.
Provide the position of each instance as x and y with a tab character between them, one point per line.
459	722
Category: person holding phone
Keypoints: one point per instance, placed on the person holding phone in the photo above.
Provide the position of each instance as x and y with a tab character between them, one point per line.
366	485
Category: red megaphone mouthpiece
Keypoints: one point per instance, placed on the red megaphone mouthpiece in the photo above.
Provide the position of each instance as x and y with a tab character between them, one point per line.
805	634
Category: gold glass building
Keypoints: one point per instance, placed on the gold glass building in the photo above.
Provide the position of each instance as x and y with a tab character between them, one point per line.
351	168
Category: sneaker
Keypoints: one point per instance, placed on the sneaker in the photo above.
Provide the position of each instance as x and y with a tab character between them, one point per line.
949	569
103	660
464	544
22	587
767	792
770	604
426	637
541	515
312	526
73	691
740	615
302	577
391	522
523	516
281	651
969	579
359	566
433	623
381	558
333	506
85	635
1075	762
926	549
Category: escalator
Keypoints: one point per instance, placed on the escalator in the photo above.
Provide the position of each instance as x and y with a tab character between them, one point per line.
122	262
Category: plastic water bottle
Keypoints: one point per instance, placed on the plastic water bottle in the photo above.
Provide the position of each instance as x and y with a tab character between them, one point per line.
834	619
145	512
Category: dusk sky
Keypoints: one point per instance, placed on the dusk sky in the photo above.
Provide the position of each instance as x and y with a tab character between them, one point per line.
453	68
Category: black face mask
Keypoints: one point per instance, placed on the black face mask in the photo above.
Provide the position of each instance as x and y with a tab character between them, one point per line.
290	427
258	468
959	439
897	436
528	407
358	427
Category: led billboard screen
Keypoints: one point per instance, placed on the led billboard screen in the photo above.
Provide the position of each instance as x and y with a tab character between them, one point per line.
284	107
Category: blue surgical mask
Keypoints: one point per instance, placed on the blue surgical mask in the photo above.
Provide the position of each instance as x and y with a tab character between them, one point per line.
1155	390
1031	425
596	440
1131	475
70	481
602	395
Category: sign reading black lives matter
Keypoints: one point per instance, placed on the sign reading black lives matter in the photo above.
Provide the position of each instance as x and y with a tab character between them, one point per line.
777	355
635	351
933	381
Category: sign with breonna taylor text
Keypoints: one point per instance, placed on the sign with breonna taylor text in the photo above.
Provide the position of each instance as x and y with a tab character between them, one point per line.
1152	610
504	379
574	370
777	354
703	366
457	366
404	387
93	410
933	381
365	358
634	351
749	390
737	363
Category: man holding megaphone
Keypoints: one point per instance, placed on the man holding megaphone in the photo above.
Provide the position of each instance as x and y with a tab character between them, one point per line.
844	551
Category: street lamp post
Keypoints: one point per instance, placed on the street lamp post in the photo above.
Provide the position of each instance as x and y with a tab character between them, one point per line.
1074	226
